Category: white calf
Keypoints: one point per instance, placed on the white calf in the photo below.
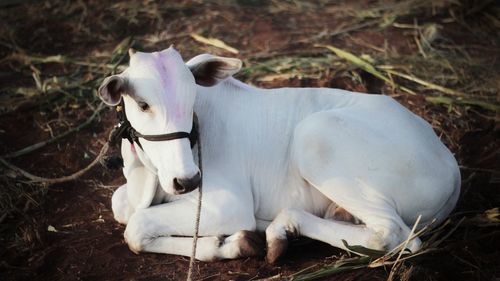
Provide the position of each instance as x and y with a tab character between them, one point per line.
277	160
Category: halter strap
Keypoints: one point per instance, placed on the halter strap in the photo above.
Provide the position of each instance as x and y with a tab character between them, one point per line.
126	131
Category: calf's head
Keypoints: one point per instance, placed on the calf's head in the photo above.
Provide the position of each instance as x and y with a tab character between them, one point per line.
159	92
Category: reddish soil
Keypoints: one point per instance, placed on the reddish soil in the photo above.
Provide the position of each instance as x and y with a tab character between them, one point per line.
89	245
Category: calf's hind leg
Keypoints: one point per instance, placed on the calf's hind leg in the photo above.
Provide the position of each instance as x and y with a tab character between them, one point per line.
296	222
384	231
323	162
384	228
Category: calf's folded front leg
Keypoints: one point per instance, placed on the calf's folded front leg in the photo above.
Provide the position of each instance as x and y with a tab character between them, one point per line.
120	205
243	243
168	228
139	192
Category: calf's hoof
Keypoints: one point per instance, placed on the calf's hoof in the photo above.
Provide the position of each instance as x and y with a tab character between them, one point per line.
251	244
276	249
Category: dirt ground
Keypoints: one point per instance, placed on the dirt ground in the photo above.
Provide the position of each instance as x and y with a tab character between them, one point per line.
54	54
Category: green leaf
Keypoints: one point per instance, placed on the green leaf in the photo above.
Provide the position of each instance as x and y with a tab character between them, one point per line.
364	251
361	63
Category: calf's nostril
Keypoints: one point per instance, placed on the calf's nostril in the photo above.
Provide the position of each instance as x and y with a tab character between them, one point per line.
178	187
183	185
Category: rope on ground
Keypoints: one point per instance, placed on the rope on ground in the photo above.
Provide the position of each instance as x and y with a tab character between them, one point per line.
74	176
38	145
50	181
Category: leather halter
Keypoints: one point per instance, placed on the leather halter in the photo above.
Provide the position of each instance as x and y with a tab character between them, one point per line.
126	131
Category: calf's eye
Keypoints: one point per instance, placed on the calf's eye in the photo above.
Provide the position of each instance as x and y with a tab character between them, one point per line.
144	106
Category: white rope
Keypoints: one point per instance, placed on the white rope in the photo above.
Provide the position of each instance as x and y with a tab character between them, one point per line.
198	214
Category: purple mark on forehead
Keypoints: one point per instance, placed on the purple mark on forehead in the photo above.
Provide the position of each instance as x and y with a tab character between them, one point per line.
162	63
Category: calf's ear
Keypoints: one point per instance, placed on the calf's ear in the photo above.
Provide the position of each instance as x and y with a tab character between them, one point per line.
112	89
209	70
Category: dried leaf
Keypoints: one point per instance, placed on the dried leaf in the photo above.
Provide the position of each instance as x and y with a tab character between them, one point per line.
214	42
27	92
492	215
272	77
429	85
51	229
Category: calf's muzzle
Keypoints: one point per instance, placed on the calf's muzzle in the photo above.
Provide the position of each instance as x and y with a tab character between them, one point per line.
182	186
